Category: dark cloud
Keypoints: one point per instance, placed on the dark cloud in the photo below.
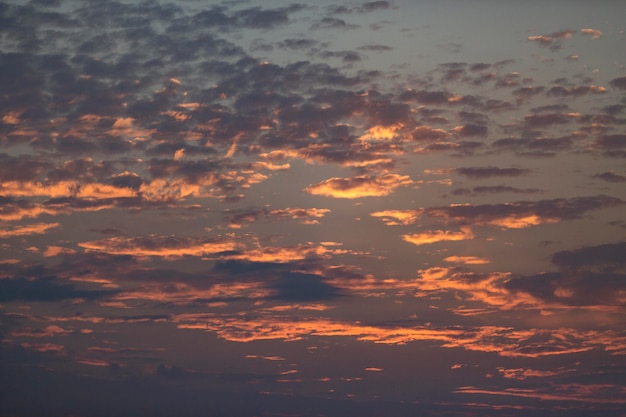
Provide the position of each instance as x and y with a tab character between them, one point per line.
537	146
490	172
543	120
524	94
297	44
609	142
494	189
584	289
367	7
461	148
602	258
346	56
619	83
21	168
373	6
609	176
426	97
375	48
294	286
472	130
552	40
332	23
542	210
45	289
560	91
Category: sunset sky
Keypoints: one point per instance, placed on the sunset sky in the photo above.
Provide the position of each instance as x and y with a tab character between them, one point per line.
269	208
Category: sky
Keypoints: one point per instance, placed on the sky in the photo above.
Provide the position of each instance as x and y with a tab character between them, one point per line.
271	208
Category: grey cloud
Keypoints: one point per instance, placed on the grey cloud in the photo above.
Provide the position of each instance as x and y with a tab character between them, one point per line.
494	189
45	289
602	258
490	172
611	141
584	289
472	130
346	56
295	286
543	120
619	83
375	48
21	168
610	176
554	209
297	44
332	23
373	6
367	7
426	97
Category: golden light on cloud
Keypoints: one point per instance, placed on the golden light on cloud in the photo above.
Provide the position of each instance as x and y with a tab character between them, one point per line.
595	34
360	186
231	179
381	132
467	260
30	229
162	246
397	217
434	236
57	250
521	222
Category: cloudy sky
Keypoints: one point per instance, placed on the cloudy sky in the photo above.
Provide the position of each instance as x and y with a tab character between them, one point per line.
264	208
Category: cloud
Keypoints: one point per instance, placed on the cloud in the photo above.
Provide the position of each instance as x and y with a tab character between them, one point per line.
45	289
490	172
494	189
504	341
360	186
397	217
467	260
610	142
560	91
161	246
607	257
619	83
552	40
426	238
580	289
366	7
427	133
375	48
521	214
303	287
595	34
610	176
236	218
35	228
332	23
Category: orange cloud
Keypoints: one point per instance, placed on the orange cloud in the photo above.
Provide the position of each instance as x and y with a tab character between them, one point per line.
305	216
49	331
592	393
467	260
503	341
30	229
595	34
358	187
282	254
181	294
381	132
397	217
163	246
57	250
524	373
435	236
